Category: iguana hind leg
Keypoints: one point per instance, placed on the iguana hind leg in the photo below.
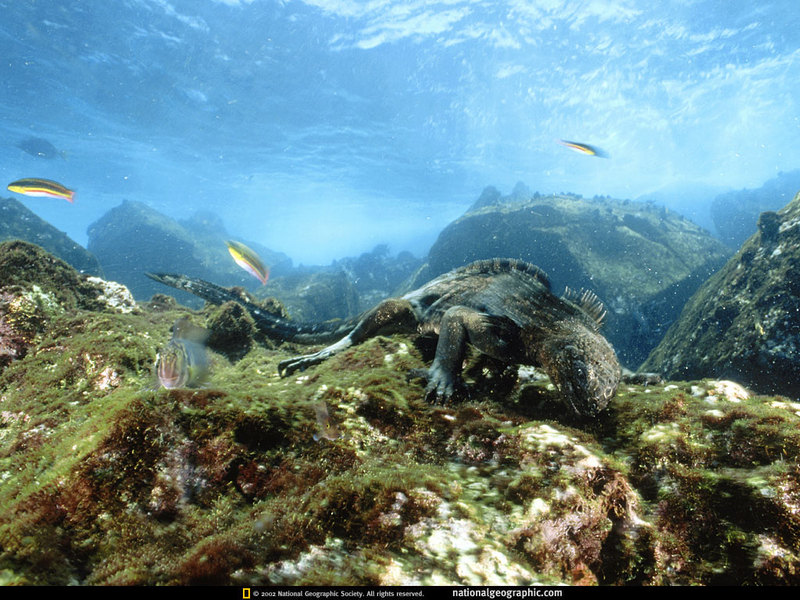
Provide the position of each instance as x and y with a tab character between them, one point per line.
390	316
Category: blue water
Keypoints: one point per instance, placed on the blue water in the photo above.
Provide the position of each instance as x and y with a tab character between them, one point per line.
321	128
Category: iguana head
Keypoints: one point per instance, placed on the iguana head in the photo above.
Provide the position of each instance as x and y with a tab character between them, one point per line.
584	367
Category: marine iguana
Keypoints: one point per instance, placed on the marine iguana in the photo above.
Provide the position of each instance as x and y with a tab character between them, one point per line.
502	307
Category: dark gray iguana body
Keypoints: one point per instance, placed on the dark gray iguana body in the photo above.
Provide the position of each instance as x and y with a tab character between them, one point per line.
502	307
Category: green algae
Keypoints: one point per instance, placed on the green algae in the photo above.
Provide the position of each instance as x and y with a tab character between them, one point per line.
710	460
24	265
107	481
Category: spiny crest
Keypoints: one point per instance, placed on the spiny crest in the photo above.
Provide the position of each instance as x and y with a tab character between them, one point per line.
501	265
588	302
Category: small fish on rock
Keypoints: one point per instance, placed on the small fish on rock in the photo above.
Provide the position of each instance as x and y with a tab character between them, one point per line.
183	362
327	428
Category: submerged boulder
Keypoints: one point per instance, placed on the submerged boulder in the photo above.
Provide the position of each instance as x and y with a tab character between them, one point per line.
642	261
19	223
744	322
36	287
315	296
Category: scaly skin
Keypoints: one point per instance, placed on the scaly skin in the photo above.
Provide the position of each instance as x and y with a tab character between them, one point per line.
502	307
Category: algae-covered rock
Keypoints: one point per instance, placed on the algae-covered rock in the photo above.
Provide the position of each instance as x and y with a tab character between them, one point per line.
643	262
744	322
228	485
36	287
108	481
232	330
19	223
719	468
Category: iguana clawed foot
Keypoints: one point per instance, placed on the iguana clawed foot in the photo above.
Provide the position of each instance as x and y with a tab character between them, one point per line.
441	387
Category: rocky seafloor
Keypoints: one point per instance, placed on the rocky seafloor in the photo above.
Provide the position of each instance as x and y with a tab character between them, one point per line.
105	480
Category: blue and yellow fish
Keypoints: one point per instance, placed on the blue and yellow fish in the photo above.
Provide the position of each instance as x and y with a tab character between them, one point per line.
248	260
183	362
584	148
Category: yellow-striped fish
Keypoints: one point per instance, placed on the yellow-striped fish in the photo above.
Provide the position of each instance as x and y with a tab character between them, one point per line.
584	148
41	188
248	260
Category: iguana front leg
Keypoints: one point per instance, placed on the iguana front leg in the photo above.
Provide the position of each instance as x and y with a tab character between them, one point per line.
390	316
494	336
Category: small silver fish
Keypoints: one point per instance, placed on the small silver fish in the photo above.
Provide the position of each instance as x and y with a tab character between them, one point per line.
327	428
183	362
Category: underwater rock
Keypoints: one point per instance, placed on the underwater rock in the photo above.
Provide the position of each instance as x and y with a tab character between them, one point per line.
27	266
17	222
106	481
114	295
37	287
132	239
744	322
232	330
642	261
345	288
316	296
377	274
719	466
735	213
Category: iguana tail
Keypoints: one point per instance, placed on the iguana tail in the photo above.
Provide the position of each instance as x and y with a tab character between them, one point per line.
273	326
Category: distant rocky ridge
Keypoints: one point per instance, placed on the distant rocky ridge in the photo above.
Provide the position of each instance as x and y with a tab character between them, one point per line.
643	262
344	288
735	214
744	322
18	223
132	239
692	199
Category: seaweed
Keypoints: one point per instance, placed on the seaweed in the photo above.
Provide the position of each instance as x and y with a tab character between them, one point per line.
108	481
